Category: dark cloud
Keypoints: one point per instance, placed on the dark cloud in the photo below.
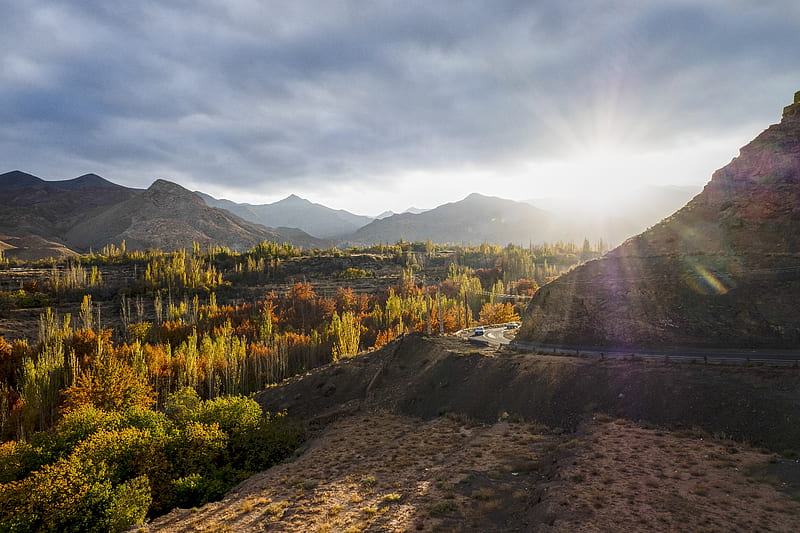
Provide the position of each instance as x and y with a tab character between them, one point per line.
264	94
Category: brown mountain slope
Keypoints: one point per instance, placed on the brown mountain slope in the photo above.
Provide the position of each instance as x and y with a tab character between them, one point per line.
31	207
31	248
724	271
169	217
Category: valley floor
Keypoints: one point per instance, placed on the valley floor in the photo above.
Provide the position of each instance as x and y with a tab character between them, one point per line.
375	471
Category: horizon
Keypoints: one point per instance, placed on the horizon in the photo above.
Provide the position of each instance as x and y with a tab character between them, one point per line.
558	202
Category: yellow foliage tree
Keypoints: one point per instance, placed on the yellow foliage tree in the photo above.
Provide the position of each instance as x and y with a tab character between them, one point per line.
110	384
498	313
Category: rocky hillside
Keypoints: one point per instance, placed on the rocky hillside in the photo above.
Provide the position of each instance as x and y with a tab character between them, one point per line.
36	214
724	271
41	218
168	216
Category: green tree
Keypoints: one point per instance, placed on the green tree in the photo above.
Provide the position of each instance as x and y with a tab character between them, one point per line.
346	332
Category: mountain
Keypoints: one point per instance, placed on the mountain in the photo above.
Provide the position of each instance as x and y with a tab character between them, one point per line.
16	179
412	210
168	216
295	212
723	271
32	247
474	219
32	206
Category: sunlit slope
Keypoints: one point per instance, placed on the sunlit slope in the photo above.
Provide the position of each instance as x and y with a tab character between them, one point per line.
723	271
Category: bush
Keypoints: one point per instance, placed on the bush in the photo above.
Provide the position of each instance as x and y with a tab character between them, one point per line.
234	414
108	469
181	404
194	490
129	504
17	460
82	422
275	438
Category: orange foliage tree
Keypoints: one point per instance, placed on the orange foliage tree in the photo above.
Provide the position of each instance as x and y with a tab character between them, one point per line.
109	384
498	313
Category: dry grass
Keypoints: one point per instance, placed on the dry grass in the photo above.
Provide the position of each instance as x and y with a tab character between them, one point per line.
381	472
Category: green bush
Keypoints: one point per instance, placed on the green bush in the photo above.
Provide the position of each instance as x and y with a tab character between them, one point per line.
129	504
196	448
275	438
234	414
101	470
82	422
181	404
194	490
17	460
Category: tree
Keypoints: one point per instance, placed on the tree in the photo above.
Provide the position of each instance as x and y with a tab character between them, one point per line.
346	332
498	313
110	384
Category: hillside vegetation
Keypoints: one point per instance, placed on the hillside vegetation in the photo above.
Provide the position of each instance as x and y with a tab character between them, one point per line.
129	394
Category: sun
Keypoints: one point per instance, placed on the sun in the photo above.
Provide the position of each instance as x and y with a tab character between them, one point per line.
599	174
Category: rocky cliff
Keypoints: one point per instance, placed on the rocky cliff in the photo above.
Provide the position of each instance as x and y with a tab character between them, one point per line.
724	271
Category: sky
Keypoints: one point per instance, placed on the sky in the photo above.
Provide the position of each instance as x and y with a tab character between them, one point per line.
381	105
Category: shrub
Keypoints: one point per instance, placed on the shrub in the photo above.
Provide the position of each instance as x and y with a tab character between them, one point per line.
272	440
82	422
17	459
194	490
129	504
443	507
181	404
233	414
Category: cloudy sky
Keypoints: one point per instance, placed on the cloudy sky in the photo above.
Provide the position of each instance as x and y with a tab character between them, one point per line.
373	105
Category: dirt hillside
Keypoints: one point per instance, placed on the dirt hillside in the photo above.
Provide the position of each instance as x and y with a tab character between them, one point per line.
429	434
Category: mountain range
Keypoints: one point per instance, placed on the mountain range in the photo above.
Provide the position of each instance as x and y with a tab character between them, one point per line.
722	271
41	218
88	212
295	212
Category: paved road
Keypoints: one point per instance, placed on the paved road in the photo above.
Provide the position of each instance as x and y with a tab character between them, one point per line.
491	336
495	336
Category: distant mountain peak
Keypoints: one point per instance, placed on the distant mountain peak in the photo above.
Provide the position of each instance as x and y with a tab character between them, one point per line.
160	185
86	180
477	197
17	179
294	200
163	192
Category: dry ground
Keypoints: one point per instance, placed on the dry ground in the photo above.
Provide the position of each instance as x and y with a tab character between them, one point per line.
383	472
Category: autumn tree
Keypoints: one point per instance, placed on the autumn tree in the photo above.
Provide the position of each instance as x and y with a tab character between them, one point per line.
110	384
498	313
346	332
525	287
